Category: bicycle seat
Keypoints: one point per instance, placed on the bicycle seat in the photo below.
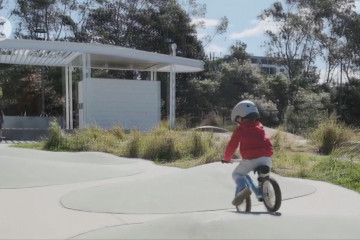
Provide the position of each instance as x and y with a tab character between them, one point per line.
262	171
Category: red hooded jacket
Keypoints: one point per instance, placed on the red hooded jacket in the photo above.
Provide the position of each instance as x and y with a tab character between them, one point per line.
253	142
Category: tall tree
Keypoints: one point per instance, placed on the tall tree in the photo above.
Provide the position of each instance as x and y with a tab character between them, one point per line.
312	29
144	24
46	19
294	42
336	16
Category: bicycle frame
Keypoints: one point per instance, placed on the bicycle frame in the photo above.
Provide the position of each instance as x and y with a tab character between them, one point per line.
250	184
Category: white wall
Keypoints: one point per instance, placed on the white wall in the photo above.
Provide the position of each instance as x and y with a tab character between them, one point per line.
130	103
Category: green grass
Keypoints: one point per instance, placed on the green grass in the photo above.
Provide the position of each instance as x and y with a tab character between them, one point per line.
342	167
339	171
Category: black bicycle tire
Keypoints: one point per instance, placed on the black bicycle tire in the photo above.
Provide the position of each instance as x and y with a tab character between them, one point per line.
278	197
247	205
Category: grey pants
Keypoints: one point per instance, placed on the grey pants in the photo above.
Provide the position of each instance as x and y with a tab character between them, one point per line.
247	165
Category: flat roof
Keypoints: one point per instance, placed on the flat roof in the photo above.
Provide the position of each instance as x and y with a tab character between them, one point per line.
61	54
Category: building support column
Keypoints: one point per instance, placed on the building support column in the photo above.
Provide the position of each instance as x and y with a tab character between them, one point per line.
172	90
172	98
71	123
86	74
67	110
68	98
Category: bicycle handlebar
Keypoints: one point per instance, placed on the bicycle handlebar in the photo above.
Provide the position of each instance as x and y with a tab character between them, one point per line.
232	161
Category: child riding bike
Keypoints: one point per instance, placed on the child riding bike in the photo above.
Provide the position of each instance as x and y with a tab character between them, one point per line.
255	146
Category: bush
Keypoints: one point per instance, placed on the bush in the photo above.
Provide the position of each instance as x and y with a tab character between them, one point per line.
161	144
159	147
351	99
308	110
215	151
57	139
329	135
195	145
132	146
118	132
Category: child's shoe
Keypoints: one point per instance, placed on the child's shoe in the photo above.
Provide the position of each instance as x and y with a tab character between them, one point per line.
241	196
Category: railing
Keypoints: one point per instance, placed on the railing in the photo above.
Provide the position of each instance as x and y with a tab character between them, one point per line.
27	127
27	122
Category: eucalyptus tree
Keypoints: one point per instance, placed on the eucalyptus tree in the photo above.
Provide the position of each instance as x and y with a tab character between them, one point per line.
308	30
293	42
45	19
338	18
144	24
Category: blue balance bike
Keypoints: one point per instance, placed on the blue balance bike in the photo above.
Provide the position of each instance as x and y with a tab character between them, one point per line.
267	190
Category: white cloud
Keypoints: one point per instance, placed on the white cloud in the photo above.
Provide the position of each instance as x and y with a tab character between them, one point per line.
5	28
357	6
206	22
259	29
201	35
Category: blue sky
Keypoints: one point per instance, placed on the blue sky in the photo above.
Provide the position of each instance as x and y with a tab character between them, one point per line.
243	24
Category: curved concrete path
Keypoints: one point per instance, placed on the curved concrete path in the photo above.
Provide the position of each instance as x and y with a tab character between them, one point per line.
323	211
24	168
204	188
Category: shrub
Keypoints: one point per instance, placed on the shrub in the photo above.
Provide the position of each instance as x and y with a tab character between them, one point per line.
215	152
86	139
307	111
132	146
118	132
329	135
277	139
195	145
57	139
159	147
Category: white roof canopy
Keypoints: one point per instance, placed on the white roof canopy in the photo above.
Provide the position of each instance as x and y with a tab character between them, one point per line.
61	54
91	55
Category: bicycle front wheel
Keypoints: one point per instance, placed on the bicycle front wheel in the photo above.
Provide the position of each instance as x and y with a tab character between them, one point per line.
271	194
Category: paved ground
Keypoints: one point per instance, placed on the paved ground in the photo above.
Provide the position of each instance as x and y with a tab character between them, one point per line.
47	195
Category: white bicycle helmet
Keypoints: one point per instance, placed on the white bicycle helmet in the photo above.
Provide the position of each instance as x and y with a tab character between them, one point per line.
245	109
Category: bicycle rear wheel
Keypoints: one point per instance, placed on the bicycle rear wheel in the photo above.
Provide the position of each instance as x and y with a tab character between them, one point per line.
245	206
272	194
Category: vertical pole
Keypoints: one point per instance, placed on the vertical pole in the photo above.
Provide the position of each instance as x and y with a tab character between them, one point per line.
71	115
172	89
86	74
67	97
172	97
42	92
340	93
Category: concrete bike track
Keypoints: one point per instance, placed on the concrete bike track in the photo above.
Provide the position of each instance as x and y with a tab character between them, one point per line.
47	195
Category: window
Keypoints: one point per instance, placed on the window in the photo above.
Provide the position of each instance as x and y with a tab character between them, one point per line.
272	71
